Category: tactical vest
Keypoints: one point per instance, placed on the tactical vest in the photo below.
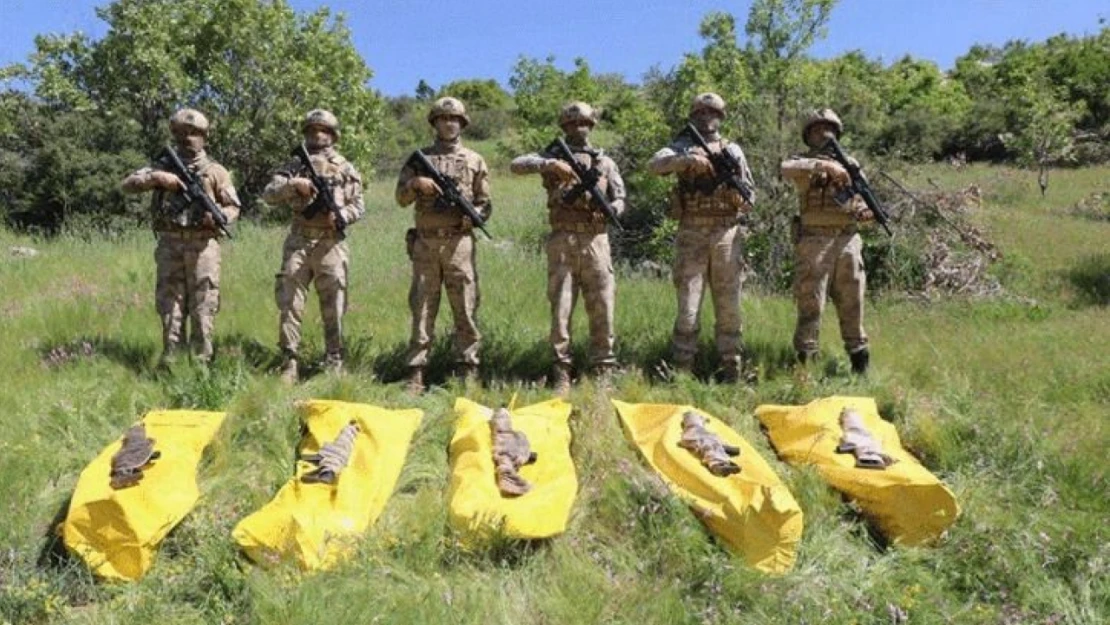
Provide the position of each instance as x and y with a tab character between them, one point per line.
170	210
580	215
334	171
696	196
459	166
821	205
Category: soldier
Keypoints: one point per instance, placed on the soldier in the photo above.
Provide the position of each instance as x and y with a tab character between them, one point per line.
314	251
441	246
578	246
828	248
187	256
709	248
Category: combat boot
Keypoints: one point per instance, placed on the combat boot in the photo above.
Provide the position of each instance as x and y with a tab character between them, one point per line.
414	383
730	372
288	373
466	373
861	360
560	379
333	364
805	357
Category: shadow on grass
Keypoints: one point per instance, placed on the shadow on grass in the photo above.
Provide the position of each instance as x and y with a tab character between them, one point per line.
135	356
1091	280
54	555
499	551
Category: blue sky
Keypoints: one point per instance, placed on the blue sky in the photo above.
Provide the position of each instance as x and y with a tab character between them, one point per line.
444	40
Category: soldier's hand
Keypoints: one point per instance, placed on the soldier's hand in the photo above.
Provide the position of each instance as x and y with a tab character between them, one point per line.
834	173
697	165
303	187
424	186
207	220
561	170
167	180
865	215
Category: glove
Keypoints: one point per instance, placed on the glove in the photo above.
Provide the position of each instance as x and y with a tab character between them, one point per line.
865	215
697	165
422	185
167	180
303	187
561	170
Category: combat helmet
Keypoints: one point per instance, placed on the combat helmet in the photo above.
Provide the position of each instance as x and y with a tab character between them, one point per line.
826	115
191	118
708	100
448	106
577	111
321	117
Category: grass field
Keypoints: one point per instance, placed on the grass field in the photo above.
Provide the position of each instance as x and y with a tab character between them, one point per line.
1005	399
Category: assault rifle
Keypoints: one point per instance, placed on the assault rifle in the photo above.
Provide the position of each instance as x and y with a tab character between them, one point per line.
727	168
859	184
451	196
587	181
194	191
325	198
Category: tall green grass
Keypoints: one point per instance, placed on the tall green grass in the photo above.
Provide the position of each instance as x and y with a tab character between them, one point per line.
1006	400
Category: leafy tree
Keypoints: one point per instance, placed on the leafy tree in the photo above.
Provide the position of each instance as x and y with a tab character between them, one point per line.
254	68
540	89
487	104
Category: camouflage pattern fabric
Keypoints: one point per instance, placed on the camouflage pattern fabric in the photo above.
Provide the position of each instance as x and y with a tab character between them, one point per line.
578	256
443	254
581	263
828	255
707	446
712	257
444	263
309	260
169	211
333	456
695	196
511	451
342	177
187	285
709	252
858	441
312	252
187	255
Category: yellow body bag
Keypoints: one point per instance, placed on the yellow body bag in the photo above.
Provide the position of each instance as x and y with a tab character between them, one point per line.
317	524
477	509
116	532
752	512
907	502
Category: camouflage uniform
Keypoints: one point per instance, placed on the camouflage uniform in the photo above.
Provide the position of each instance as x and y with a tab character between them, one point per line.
578	257
187	255
828	252
314	252
709	250
441	248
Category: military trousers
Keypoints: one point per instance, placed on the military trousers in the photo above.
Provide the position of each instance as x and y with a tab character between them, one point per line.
581	263
713	257
306	261
187	286
444	263
829	265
